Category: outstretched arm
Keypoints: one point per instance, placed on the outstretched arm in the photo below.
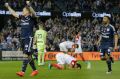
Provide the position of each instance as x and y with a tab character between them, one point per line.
31	9
11	10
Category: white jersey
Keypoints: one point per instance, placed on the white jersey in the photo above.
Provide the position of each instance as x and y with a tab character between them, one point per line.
78	41
64	58
69	44
69	58
64	46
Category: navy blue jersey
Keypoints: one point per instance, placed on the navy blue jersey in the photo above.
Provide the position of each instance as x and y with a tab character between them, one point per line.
107	34
27	23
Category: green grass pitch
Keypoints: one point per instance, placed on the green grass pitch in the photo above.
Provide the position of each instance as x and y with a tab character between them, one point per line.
98	71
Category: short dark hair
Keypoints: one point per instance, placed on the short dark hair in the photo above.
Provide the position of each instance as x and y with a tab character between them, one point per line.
77	45
107	17
78	65
40	24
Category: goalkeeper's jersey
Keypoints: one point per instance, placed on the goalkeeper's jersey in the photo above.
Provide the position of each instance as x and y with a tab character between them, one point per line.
41	36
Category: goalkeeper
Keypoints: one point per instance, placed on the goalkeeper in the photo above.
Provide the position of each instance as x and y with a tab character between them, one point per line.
39	42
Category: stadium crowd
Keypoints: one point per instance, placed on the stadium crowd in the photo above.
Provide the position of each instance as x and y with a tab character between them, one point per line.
38	5
59	28
91	5
66	5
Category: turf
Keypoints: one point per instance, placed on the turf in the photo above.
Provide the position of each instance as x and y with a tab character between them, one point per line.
9	68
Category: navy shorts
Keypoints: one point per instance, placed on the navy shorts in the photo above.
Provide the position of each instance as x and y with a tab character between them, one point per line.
26	45
104	51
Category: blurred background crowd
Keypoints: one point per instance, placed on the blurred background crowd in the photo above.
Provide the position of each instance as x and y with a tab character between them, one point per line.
60	28
88	5
66	5
38	5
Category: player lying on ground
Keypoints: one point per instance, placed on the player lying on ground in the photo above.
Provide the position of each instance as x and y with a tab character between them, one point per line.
27	23
74	47
63	60
108	39
79	51
40	42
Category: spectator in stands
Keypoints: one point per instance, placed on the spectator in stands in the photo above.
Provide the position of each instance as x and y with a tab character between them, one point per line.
4	45
47	6
60	28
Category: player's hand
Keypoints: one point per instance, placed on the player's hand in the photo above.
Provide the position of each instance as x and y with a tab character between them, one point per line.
6	5
28	2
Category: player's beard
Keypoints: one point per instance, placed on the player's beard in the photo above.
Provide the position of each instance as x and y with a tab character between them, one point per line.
104	23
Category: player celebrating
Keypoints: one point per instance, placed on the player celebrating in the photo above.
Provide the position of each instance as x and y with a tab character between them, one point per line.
65	59
40	41
27	24
108	39
79	49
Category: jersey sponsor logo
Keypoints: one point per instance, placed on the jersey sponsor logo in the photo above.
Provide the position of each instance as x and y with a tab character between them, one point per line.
105	36
25	20
25	23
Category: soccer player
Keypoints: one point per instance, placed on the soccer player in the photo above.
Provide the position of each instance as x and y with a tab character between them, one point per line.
66	45
108	39
40	41
78	50
27	24
65	59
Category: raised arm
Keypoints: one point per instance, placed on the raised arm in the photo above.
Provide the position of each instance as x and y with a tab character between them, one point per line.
31	9
11	10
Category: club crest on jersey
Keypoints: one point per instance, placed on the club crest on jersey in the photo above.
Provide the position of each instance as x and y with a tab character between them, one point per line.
108	29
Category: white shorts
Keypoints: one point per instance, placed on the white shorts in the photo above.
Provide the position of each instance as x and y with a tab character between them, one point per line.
63	48
78	50
60	59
